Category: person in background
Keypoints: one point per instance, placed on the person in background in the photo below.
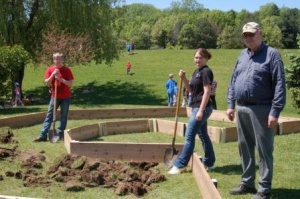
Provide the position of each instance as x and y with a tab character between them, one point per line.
128	68
175	95
64	79
18	95
128	48
170	85
185	94
132	48
256	96
200	88
213	94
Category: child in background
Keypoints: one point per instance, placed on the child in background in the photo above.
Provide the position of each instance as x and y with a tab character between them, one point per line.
128	67
185	94
170	86
17	95
175	95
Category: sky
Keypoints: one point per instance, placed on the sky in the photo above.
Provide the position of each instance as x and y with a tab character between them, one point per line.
224	5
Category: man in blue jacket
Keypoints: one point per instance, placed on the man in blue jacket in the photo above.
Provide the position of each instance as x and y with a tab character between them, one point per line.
256	96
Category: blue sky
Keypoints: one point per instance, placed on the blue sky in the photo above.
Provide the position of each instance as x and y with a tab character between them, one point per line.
224	5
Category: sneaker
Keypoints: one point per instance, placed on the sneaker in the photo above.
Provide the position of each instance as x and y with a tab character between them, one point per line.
261	195
243	189
176	170
40	139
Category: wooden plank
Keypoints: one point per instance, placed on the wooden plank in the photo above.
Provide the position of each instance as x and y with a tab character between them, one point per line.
14	197
152	125
149	152
289	127
23	120
67	140
125	127
125	113
229	134
218	115
205	185
85	132
214	134
167	126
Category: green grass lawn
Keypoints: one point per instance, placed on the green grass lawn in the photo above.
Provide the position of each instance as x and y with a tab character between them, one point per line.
111	88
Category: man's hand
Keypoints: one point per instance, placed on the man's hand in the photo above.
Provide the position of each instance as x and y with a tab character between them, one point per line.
272	121
230	114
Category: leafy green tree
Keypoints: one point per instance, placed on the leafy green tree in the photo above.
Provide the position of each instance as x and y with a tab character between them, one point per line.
187	36
13	60
159	34
271	32
293	75
229	38
23	22
268	10
290	26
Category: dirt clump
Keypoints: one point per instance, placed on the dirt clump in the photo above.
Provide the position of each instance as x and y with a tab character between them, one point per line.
6	136
80	172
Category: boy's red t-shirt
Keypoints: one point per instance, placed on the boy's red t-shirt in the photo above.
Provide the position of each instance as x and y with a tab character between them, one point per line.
128	65
63	91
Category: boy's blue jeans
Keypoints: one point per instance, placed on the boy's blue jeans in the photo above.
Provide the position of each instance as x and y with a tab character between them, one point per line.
197	127
64	110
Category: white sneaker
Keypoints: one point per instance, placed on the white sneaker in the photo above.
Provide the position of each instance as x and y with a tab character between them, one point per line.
176	170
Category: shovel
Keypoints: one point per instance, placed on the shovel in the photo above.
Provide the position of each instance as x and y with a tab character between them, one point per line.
171	153
53	136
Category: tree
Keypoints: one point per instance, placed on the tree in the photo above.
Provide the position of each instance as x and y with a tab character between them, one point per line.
229	38
290	26
12	61
293	75
23	22
271	32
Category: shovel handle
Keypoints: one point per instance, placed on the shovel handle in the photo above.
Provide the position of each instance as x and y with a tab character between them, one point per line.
54	100
177	111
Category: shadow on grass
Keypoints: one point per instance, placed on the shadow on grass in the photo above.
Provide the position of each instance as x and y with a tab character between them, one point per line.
116	92
113	92
231	169
285	193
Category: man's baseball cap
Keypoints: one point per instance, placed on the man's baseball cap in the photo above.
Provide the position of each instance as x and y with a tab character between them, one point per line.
251	27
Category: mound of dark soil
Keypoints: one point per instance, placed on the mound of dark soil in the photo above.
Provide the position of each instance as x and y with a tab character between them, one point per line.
79	172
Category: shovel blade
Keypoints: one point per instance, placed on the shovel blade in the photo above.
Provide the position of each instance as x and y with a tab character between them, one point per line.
53	136
170	156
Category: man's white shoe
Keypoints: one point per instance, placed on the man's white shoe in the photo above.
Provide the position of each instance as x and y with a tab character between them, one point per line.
176	170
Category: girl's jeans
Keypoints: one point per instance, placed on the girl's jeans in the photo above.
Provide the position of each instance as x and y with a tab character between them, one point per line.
197	127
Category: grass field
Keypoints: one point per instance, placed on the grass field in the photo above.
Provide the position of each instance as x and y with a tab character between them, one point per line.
111	88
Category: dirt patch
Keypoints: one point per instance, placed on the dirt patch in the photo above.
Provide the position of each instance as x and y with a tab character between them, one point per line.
6	136
79	172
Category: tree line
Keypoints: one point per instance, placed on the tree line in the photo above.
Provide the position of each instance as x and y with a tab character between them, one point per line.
98	30
187	24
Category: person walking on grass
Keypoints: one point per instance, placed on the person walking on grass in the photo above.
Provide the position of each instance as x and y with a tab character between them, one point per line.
200	88
128	68
64	79
256	96
170	85
18	95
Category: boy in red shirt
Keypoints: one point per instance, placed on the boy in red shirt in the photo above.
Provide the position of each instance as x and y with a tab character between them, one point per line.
128	67
64	80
